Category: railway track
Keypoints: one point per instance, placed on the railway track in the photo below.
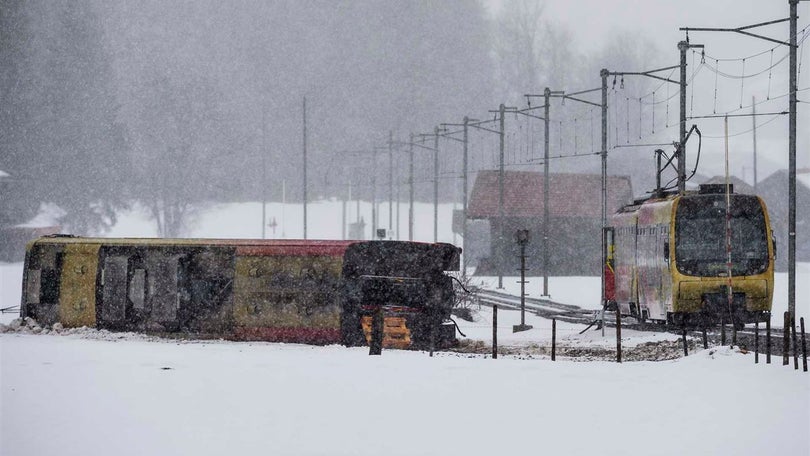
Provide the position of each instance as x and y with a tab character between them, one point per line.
547	308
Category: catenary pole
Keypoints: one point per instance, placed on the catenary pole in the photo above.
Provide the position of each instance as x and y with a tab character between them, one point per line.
464	202
546	142
264	171
390	183
501	220
305	166
792	172
604	74
373	193
683	46
410	188
435	184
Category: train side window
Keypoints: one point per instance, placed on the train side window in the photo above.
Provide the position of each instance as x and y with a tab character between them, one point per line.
137	288
32	286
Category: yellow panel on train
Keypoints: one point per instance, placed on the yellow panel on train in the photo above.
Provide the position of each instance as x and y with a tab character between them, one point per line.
78	287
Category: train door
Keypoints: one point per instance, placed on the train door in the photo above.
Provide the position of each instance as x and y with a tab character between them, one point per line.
77	289
163	286
113	305
609	273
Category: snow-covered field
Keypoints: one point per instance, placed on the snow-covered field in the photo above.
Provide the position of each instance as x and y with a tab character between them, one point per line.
96	393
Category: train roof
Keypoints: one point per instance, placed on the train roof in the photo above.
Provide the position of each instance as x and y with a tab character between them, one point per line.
668	196
327	247
243	246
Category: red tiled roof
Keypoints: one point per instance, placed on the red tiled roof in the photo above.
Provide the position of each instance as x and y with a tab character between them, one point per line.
570	195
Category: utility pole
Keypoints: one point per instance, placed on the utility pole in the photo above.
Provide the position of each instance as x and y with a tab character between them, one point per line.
547	95
793	88
305	167
390	183
373	193
435	184
604	74
464	203
546	142
683	46
264	171
464	173
343	219
410	189
501	246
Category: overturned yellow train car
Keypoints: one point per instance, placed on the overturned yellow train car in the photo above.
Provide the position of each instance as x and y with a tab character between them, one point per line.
306	291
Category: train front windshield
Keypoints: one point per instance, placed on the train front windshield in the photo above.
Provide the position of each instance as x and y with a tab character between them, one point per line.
700	236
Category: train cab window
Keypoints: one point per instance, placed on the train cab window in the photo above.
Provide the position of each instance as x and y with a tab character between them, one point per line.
137	288
49	288
700	235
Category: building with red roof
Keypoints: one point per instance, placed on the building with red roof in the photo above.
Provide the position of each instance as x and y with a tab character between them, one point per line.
575	219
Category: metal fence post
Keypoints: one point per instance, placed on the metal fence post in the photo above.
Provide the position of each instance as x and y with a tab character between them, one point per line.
554	338
377	331
618	335
495	331
786	339
804	347
795	345
768	340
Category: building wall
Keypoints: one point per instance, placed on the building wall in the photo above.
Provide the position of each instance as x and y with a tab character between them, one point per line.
574	246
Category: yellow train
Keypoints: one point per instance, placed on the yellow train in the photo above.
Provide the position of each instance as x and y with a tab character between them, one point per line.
668	259
308	291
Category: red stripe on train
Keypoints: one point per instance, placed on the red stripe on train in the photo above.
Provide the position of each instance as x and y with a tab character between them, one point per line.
312	336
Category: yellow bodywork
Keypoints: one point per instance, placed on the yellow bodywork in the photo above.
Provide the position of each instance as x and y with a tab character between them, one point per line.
287	291
758	289
395	332
77	291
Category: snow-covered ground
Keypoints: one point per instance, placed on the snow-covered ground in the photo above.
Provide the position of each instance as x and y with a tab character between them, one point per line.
87	392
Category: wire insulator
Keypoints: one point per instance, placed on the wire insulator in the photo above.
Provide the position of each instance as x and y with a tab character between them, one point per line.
770	74
717	64
742	83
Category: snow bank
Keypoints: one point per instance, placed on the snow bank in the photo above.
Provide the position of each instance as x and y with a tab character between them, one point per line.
71	396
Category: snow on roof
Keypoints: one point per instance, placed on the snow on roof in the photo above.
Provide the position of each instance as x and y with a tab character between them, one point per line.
3	174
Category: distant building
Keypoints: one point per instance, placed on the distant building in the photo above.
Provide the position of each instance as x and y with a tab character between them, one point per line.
575	219
774	190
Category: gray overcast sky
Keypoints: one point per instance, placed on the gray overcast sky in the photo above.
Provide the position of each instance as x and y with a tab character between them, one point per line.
595	21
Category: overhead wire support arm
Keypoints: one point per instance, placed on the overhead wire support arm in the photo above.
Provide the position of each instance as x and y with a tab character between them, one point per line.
741	30
449	134
485	129
649	73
